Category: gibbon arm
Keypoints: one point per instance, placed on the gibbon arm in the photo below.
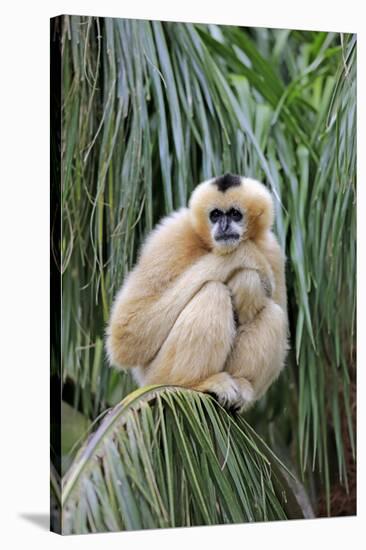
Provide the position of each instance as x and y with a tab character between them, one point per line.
141	319
259	351
251	288
261	345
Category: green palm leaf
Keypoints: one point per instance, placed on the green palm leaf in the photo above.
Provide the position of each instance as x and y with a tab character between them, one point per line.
167	457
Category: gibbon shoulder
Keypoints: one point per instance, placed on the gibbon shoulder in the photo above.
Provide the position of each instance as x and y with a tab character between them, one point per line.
171	248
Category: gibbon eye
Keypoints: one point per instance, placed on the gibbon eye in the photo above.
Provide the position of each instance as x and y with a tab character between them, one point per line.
215	215
235	215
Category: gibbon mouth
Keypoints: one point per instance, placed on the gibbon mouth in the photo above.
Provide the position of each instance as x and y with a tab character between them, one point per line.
228	237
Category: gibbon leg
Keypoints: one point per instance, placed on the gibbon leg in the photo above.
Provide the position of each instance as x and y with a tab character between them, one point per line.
143	315
258	354
198	344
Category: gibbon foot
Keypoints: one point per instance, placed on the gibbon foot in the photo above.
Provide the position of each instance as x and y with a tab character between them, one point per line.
222	386
246	396
232	408
236	394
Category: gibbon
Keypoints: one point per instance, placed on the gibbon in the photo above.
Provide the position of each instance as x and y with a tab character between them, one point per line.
205	306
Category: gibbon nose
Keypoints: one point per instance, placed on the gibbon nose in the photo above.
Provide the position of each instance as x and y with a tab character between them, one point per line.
224	223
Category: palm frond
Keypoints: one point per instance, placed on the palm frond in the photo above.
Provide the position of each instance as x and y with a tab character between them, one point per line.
166	457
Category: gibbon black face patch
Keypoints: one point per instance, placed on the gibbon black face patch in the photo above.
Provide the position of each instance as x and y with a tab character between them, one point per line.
226	181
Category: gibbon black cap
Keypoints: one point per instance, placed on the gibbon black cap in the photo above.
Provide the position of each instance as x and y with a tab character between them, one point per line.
226	181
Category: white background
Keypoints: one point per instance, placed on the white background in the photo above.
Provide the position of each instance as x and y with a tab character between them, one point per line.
24	271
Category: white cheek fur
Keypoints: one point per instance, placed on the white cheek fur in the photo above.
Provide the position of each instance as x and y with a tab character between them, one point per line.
238	227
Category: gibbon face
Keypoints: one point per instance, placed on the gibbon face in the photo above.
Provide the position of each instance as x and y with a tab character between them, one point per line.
229	209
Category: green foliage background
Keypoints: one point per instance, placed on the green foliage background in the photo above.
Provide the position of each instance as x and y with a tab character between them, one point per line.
149	110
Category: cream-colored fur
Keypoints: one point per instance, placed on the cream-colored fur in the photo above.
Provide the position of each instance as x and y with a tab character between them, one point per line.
173	318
